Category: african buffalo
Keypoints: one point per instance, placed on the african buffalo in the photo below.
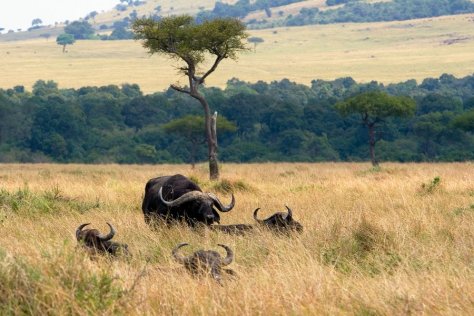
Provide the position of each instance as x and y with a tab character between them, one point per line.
177	198
280	221
96	243
205	262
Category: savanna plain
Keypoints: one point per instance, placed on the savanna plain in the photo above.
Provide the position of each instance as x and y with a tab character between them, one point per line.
389	52
394	240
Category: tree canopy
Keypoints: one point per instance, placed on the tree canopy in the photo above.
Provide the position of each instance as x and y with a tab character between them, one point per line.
65	39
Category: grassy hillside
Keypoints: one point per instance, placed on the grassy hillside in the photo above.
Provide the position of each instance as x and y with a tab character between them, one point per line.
387	52
374	243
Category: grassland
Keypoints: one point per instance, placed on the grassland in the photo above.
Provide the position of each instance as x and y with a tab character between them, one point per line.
376	242
386	52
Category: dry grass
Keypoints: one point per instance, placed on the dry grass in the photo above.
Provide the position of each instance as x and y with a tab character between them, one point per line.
387	52
390	241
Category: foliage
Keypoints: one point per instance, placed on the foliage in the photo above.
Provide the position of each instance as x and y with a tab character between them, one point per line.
396	10
65	39
181	38
240	9
465	121
277	121
377	106
80	30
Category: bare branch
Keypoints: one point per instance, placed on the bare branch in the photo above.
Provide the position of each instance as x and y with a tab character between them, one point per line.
211	70
179	89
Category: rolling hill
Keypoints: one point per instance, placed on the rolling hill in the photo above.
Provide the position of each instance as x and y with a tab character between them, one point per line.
386	52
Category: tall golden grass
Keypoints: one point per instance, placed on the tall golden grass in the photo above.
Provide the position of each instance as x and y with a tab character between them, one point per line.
386	241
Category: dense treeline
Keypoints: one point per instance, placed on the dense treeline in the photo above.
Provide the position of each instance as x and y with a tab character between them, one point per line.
241	8
396	10
277	121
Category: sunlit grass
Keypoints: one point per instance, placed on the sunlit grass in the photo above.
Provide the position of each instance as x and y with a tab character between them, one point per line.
375	241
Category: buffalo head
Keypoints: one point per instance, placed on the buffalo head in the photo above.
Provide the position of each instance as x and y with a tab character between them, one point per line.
207	262
95	242
280	221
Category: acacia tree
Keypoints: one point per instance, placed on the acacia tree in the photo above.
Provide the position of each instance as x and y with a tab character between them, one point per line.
190	127
374	107
65	39
182	39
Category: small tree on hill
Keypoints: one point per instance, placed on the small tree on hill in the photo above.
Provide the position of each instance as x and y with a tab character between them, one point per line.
182	39
255	41
191	127
64	40
36	22
374	107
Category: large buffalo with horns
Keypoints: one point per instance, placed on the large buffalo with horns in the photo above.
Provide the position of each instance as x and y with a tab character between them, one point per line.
177	198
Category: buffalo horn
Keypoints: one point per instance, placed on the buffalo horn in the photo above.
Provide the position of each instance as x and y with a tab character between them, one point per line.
255	216
290	213
79	230
180	258
109	236
230	255
189	196
219	205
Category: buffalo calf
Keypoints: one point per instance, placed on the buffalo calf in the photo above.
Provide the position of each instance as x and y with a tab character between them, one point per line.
205	262
280	221
97	243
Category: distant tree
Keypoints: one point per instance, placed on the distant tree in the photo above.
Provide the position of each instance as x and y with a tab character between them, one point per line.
92	15
181	38
79	29
45	35
64	40
374	107
2	29
465	121
255	41
191	127
36	22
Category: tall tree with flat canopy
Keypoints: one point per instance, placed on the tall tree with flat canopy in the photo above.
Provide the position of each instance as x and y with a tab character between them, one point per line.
65	39
374	107
182	39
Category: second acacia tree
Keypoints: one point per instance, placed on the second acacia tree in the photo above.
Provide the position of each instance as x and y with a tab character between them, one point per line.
181	38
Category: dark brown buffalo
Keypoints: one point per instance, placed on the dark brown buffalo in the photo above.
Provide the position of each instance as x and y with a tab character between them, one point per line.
280	221
177	198
205	262
96	243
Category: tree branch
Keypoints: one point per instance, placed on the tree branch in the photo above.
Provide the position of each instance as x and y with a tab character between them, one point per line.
219	58
179	89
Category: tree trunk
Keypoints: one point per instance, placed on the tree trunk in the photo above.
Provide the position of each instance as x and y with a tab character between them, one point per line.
64	49
372	144
213	163
211	138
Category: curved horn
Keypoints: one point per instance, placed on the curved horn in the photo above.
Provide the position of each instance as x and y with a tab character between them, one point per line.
219	205
189	196
180	258
230	255
79	229
255	216
109	236
290	213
